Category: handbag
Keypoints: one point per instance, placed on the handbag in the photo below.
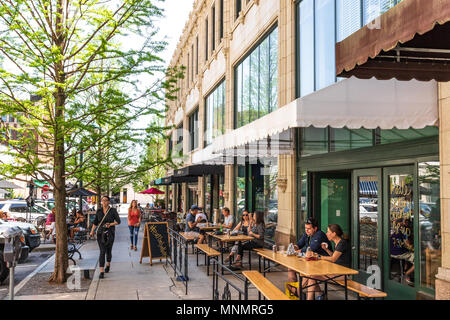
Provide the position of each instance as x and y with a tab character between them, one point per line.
105	234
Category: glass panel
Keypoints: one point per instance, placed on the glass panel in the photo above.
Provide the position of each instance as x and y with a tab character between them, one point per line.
429	222
273	88
303	201
208	195
265	77
215	114
221	190
368	187
240	190
239	96
325	43
254	85
257	88
306	33
266	194
374	8
348	13
397	135
314	141
346	139
401	231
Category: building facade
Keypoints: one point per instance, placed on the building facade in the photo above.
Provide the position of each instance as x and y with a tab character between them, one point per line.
263	121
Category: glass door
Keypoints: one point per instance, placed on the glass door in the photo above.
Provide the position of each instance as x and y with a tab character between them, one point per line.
367	215
399	232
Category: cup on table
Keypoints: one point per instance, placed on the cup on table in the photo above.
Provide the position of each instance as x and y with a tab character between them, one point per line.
324	244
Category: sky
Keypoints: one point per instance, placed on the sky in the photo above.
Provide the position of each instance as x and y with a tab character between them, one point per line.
176	14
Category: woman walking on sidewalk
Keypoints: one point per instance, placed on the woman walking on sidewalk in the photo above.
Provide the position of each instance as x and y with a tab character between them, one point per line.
134	221
106	218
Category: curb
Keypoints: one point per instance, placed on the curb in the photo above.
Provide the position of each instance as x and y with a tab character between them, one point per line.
92	291
28	278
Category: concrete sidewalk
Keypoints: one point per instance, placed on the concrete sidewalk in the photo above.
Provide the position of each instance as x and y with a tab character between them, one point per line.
128	279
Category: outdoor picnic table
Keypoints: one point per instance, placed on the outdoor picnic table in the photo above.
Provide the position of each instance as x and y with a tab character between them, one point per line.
225	238
308	269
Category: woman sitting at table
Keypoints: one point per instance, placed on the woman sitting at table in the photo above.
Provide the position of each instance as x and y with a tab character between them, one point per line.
242	226
341	256
257	232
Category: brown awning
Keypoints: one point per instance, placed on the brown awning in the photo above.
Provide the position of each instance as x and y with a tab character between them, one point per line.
410	41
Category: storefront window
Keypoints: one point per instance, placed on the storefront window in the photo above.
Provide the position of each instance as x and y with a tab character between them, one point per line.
306	46
240	191
208	195
303	201
266	194
215	114
397	135
368	187
257	81
221	190
429	222
401	231
346	139
348	18
325	43
314	141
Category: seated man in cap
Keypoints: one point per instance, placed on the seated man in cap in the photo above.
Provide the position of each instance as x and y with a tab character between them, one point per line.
191	223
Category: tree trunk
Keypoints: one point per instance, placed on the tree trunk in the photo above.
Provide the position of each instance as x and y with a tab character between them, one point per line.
61	255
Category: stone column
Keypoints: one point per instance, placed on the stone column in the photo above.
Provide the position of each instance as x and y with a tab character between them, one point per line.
287	186
443	276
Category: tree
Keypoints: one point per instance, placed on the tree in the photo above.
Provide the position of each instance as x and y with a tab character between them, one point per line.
59	50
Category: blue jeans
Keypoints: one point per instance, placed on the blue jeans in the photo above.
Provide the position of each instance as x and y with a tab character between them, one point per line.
134	231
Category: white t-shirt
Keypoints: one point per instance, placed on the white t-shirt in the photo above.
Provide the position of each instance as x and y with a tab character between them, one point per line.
201	215
229	220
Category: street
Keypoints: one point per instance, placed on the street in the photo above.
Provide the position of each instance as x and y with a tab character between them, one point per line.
34	260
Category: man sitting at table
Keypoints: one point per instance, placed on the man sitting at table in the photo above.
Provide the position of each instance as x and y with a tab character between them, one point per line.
191	224
313	239
228	218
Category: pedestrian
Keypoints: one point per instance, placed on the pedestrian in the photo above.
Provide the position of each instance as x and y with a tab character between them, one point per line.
134	221
106	218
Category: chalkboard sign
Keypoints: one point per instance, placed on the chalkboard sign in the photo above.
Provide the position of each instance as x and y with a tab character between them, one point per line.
155	244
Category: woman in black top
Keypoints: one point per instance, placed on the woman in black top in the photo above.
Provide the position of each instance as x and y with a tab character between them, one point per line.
105	223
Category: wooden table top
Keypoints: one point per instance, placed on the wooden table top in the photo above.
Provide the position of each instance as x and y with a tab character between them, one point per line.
188	236
208	226
306	268
227	238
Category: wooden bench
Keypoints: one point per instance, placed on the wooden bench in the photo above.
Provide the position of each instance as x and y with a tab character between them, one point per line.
264	286
208	252
362	290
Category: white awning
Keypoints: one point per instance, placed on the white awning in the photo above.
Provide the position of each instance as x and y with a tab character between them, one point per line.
351	103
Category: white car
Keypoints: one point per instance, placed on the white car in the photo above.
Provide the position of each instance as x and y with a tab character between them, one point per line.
368	210
18	209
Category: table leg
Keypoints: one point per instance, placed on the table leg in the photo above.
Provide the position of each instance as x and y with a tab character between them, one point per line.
221	259
326	290
259	263
346	291
300	286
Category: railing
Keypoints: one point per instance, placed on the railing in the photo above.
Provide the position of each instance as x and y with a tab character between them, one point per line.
226	295
178	258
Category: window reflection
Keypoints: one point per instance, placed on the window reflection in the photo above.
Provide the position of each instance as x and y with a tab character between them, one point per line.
429	222
368	187
401	235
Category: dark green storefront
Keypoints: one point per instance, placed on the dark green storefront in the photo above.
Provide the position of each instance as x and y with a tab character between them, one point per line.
372	193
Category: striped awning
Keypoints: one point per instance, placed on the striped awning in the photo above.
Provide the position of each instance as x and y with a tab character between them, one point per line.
369	188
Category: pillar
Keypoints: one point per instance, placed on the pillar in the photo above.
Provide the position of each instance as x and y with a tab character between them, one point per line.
443	276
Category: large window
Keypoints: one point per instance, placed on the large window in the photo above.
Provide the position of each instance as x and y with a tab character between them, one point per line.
215	114
193	130
429	222
315	141
322	23
179	145
257	81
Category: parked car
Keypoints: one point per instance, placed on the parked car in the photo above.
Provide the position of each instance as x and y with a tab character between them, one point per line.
4	271
32	238
18	209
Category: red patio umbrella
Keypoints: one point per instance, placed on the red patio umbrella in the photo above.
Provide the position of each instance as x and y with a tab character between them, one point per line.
152	191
